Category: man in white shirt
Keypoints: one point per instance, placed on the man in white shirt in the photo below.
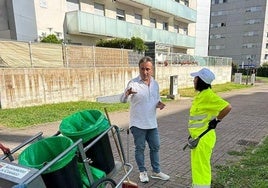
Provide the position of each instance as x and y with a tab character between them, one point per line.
144	97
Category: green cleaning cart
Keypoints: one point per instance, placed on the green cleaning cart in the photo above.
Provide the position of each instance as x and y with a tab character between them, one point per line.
57	161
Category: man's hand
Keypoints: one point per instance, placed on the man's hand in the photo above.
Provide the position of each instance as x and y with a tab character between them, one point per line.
213	123
160	105
129	92
4	149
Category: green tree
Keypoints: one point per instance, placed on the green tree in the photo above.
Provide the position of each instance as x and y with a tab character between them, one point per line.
51	39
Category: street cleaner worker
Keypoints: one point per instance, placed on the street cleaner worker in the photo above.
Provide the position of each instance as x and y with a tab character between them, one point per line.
207	110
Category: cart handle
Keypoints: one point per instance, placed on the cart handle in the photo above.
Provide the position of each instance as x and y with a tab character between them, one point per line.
37	136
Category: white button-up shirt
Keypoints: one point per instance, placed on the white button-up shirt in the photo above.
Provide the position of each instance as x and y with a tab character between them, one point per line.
143	103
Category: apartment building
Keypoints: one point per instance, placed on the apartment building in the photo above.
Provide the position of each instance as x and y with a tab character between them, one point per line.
202	27
239	29
170	23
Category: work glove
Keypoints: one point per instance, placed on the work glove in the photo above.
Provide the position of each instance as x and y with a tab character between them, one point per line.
213	123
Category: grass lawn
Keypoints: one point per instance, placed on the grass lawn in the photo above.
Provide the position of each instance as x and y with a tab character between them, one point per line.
250	171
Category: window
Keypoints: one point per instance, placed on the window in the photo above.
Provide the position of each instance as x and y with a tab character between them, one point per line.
266	45
138	19
99	9
250	45
216	47
217	25
266	56
253	21
165	26
251	33
185	31
218	1
254	9
176	28
153	22
216	36
43	3
219	13
120	14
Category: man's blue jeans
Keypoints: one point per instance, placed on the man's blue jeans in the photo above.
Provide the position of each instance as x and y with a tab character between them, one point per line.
152	138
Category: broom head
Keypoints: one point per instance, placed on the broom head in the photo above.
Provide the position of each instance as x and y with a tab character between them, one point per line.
129	184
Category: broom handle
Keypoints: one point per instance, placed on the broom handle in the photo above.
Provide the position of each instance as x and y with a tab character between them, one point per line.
128	145
116	144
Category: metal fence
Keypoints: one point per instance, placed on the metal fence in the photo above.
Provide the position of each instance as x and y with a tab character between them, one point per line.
179	59
27	55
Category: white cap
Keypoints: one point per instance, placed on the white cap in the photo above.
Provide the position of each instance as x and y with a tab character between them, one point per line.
205	74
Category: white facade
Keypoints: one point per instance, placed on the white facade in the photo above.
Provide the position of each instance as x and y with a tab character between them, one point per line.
202	27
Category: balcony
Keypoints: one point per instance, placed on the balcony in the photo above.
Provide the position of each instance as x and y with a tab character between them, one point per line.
170	7
83	23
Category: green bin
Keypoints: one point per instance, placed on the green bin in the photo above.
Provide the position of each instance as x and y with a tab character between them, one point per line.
88	125
64	172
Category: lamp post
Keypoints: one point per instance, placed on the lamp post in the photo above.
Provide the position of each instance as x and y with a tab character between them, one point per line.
247	68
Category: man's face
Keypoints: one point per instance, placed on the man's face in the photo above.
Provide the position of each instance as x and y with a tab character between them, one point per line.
146	70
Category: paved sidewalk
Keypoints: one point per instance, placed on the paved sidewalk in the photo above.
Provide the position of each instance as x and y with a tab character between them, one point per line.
246	124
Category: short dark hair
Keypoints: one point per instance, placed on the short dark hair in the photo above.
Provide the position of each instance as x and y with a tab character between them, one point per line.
201	85
145	59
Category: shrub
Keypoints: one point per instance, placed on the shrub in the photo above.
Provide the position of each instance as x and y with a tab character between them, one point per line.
135	43
51	39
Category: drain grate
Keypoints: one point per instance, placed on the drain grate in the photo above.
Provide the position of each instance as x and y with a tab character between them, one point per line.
247	143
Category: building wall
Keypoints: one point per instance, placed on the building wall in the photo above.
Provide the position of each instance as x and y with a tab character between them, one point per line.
238	30
29	87
264	51
50	17
202	27
17	20
25	20
4	19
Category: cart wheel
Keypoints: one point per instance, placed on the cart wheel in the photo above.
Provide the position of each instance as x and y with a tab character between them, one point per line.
104	183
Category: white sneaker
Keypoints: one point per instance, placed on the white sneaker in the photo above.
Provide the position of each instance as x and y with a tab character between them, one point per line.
144	177
160	176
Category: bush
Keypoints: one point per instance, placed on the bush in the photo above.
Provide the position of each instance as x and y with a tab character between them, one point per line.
262	71
135	43
51	39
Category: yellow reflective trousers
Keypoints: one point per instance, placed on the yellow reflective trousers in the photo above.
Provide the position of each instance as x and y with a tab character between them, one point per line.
200	161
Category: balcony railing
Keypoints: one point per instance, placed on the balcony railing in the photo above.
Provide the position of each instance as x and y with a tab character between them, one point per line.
171	7
79	22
